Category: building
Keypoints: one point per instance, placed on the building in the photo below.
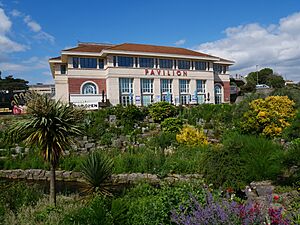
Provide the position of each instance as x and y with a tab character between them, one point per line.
139	74
40	88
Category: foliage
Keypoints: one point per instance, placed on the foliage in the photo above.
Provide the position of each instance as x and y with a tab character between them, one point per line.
96	169
161	110
9	83
293	92
191	136
293	132
14	195
226	211
241	160
71	162
172	125
268	116
163	140
96	123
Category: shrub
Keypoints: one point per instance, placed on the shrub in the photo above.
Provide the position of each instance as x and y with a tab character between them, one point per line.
293	132
96	123
162	110
242	159
268	116
172	125
96	169
191	136
162	140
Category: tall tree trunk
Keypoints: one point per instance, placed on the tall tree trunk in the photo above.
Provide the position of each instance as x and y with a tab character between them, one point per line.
52	186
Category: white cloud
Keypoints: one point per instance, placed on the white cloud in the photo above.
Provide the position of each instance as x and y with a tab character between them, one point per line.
276	46
6	44
45	36
180	42
34	26
31	64
15	13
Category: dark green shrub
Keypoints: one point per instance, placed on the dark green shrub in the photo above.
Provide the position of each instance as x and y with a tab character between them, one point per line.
14	195
172	125
163	140
242	159
162	110
96	123
106	139
71	162
293	132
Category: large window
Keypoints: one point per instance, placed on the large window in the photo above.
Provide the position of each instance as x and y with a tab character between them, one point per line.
88	63
147	62
125	61
89	89
220	68
184	64
218	94
147	91
63	69
126	91
166	90
184	89
200	65
166	63
75	62
201	91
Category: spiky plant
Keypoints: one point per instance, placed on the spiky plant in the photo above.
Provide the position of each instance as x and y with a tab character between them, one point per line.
50	126
97	169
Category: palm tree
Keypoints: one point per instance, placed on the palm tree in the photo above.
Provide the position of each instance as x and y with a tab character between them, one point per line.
49	126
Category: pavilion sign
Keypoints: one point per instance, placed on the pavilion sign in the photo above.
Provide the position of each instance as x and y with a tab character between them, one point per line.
159	72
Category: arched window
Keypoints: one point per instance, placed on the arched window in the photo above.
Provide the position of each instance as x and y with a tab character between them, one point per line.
218	94
89	89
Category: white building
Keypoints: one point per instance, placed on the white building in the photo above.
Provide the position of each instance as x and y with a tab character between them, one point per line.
139	74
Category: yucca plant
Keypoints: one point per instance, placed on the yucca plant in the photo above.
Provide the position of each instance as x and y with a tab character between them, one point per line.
49	126
97	169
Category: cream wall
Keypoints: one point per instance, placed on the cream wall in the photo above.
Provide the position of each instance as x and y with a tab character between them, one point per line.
61	88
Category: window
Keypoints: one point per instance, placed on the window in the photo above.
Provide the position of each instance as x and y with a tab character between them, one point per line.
147	85
199	65
115	61
220	69
75	62
201	91
166	63
89	89
126	91
218	94
184	64
166	90
88	63
101	63
147	91
125	61
185	97
63	69
184	86
147	62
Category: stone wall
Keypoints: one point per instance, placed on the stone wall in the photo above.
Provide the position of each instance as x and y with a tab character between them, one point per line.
116	179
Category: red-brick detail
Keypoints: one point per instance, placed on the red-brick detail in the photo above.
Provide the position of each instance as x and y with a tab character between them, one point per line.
75	84
226	89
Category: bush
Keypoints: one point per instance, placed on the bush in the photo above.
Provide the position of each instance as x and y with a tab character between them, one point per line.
96	123
191	136
268	116
241	160
293	132
162	110
172	125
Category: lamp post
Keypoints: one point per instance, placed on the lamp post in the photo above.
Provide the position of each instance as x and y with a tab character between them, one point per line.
256	74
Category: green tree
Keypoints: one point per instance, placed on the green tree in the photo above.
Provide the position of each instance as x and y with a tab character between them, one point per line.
9	83
49	126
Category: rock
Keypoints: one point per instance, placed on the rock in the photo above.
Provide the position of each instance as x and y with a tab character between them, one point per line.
263	188
89	145
84	138
112	119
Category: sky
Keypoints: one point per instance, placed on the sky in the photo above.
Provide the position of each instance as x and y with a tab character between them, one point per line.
257	32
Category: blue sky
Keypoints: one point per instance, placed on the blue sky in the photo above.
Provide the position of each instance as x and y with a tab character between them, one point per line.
264	33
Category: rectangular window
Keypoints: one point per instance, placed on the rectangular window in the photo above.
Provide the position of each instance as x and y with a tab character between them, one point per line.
126	91
200	65
147	62
147	86
184	64
217	68
166	90
184	86
101	63
125	61
115	61
75	62
88	63
63	69
185	99
201	90
166	63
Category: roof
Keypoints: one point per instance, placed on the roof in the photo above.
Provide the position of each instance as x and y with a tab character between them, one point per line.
55	58
86	47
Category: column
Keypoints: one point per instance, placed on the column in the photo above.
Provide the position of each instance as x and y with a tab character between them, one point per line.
193	91
113	90
175	91
156	89
137	98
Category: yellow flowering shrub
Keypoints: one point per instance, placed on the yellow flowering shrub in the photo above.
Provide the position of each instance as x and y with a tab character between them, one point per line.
269	116
192	136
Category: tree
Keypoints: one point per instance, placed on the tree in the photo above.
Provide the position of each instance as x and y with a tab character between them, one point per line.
49	126
9	83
